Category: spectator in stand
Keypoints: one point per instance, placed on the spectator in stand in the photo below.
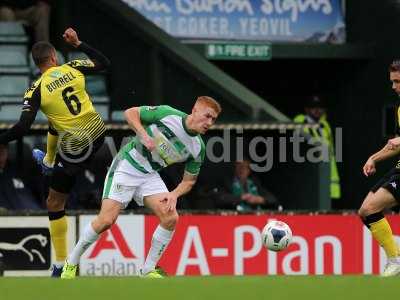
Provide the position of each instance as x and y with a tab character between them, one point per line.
244	191
34	13
315	112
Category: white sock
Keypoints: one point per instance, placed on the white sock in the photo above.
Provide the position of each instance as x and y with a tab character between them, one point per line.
59	264
159	242
88	237
394	260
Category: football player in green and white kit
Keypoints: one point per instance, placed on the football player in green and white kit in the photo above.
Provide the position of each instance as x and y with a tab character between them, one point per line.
164	136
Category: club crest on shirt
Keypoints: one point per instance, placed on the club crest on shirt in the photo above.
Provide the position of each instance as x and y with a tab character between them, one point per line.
118	188
56	74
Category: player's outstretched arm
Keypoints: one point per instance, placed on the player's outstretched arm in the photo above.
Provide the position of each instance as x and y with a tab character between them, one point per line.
19	129
132	116
386	152
100	61
393	143
184	187
29	110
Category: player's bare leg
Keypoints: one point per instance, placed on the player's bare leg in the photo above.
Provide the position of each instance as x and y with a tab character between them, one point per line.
371	212
161	236
108	215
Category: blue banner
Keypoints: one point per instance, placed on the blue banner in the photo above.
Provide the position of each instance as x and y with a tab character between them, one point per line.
313	21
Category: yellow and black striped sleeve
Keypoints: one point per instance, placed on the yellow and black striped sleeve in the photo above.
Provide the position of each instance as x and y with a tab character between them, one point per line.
32	99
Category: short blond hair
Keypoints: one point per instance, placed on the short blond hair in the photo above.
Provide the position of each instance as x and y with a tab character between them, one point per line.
210	102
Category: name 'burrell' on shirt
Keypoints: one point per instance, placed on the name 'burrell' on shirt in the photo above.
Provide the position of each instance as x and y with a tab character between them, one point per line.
60	82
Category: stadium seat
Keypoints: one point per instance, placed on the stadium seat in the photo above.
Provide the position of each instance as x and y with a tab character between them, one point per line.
10	112
41	118
103	110
13	59
117	116
12	32
96	85
35	70
100	100
12	99
13	85
13	55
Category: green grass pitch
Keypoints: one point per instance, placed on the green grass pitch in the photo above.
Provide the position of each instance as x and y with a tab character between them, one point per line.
206	287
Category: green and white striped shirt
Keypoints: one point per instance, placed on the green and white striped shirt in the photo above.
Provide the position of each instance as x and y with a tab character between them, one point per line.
174	142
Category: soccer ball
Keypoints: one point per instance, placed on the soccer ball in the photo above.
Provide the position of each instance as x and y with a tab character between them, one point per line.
276	235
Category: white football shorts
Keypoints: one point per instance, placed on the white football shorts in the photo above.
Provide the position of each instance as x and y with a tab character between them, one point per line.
124	182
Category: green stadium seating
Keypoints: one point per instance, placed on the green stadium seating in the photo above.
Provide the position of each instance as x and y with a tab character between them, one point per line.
96	85
12	32
10	112
40	117
103	110
13	85
12	99
117	116
13	59
100	99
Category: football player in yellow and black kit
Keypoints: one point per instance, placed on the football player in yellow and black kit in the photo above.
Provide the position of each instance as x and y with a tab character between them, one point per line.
385	194
76	130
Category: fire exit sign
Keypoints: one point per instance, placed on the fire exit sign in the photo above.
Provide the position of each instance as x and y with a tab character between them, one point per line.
238	51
